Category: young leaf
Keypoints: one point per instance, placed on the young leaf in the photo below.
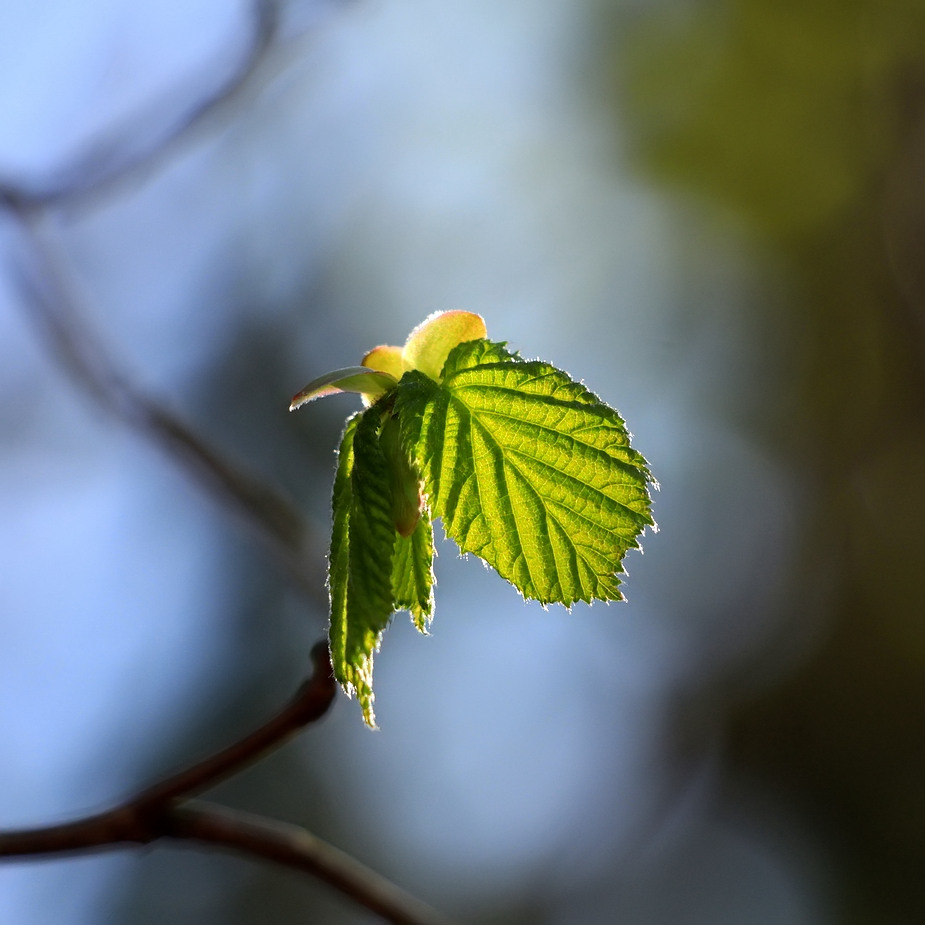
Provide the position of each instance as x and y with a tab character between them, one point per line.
429	344
370	383
529	470
413	572
404	483
360	564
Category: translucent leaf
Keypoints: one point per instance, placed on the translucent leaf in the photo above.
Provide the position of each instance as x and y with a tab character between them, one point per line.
370	383
386	359
413	572
526	467
528	470
360	563
404	483
429	344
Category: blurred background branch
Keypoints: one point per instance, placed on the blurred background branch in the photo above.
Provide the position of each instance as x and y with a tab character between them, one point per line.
49	296
128	149
52	304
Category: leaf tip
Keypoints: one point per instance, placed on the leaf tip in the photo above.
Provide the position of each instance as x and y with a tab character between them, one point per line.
369	717
357	682
370	383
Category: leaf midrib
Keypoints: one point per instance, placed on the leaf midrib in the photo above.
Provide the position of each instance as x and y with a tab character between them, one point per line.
547	513
634	470
622	443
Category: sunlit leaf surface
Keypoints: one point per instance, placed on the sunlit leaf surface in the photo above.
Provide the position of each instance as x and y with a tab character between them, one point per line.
413	573
360	565
528	470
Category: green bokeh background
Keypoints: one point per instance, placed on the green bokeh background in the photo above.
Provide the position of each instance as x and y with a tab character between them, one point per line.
802	125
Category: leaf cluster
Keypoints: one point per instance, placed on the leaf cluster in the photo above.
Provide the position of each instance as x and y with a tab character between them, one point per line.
527	469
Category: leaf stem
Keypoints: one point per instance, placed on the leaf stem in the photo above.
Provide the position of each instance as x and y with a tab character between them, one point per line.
309	703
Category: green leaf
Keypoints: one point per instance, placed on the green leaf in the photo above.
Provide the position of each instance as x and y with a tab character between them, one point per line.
360	563
370	383
404	483
528	469
413	572
431	341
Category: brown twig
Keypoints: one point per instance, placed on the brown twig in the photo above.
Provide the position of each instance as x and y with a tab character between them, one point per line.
292	846
162	811
54	308
139	818
309	703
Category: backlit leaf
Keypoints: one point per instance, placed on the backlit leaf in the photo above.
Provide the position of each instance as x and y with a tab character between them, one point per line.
370	383
360	564
413	572
429	344
526	467
529	470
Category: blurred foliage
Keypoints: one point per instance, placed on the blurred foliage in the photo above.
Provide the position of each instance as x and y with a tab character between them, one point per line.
784	111
806	121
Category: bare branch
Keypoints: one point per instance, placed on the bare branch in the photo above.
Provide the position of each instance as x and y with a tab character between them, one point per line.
294	847
45	285
309	703
54	306
106	830
161	812
107	163
139	819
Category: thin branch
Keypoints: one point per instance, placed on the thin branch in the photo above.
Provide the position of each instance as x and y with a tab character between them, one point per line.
105	164
139	818
292	846
53	305
46	288
309	703
106	830
161	811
